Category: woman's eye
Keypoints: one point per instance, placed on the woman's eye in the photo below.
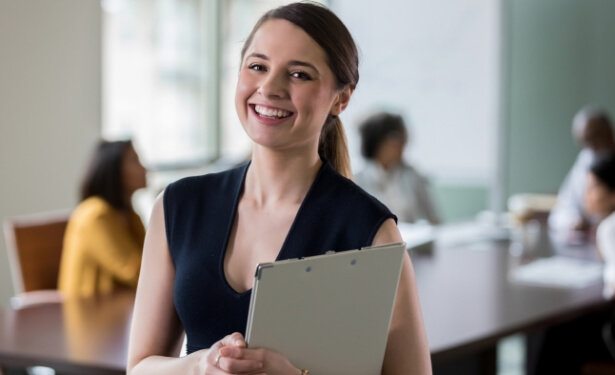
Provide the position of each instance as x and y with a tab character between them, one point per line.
257	67
301	75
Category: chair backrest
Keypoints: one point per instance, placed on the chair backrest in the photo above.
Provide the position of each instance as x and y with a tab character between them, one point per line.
34	246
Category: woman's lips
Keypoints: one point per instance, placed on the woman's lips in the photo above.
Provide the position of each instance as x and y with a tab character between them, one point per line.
270	115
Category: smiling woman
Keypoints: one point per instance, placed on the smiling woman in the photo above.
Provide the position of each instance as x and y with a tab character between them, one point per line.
299	68
288	74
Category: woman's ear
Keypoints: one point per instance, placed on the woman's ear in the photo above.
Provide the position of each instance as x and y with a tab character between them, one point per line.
341	101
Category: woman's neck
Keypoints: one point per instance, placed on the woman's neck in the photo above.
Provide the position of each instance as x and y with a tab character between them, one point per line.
280	177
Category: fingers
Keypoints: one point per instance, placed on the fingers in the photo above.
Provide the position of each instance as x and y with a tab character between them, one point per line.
232	360
227	355
234	339
231	356
231	352
243	353
239	366
242	359
272	361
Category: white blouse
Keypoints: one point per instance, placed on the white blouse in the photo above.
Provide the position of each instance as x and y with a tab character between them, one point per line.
402	189
569	208
605	239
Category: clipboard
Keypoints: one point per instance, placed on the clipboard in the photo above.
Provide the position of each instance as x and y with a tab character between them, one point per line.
329	314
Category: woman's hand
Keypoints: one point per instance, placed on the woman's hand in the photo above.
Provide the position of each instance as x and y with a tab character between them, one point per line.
212	361
235	358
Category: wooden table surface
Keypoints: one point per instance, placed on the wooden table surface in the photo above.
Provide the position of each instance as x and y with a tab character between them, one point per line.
80	337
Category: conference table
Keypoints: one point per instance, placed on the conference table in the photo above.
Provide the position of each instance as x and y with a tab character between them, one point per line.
468	303
79	336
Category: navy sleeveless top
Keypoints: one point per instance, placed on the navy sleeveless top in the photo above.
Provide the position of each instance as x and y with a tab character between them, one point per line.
199	213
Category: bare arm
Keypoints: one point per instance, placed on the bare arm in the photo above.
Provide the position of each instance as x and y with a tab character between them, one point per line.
407	349
155	329
156	333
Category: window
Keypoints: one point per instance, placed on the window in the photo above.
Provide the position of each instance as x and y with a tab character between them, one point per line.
169	76
156	74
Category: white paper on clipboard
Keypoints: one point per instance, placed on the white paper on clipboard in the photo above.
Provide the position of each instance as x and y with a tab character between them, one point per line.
330	313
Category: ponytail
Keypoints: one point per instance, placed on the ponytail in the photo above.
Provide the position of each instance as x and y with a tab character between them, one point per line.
334	147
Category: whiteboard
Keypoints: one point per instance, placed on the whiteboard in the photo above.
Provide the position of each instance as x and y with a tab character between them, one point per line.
437	63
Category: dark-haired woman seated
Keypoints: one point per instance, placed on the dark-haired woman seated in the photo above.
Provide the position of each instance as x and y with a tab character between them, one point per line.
387	176
104	238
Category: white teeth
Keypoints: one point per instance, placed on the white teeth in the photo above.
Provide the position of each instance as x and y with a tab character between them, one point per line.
263	111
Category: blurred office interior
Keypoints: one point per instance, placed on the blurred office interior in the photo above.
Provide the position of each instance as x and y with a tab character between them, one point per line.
488	88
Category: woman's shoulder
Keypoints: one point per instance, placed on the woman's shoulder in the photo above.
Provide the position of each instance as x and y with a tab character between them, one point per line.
343	212
93	206
90	211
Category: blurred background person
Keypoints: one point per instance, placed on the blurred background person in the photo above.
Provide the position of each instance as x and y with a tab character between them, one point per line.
560	351
592	129
385	174
104	237
600	200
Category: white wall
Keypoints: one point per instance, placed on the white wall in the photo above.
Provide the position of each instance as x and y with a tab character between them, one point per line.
50	84
436	63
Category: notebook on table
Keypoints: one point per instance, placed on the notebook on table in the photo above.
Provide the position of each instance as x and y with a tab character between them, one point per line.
329	314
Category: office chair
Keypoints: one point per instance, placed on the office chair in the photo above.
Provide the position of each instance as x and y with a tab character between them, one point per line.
34	246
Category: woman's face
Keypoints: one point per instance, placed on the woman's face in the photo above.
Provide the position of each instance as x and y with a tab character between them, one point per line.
598	198
133	172
285	89
391	150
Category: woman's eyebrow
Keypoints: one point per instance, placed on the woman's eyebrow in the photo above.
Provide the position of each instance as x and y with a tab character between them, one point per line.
303	63
258	56
292	62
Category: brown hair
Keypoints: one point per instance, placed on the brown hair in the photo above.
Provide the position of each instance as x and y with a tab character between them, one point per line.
328	31
379	127
103	177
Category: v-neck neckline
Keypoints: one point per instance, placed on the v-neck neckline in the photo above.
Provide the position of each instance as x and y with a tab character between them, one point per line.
229	227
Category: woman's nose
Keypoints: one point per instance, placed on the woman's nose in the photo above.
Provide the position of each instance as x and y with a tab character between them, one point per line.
274	86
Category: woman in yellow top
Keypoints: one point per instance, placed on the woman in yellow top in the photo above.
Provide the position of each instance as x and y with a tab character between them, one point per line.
104	237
